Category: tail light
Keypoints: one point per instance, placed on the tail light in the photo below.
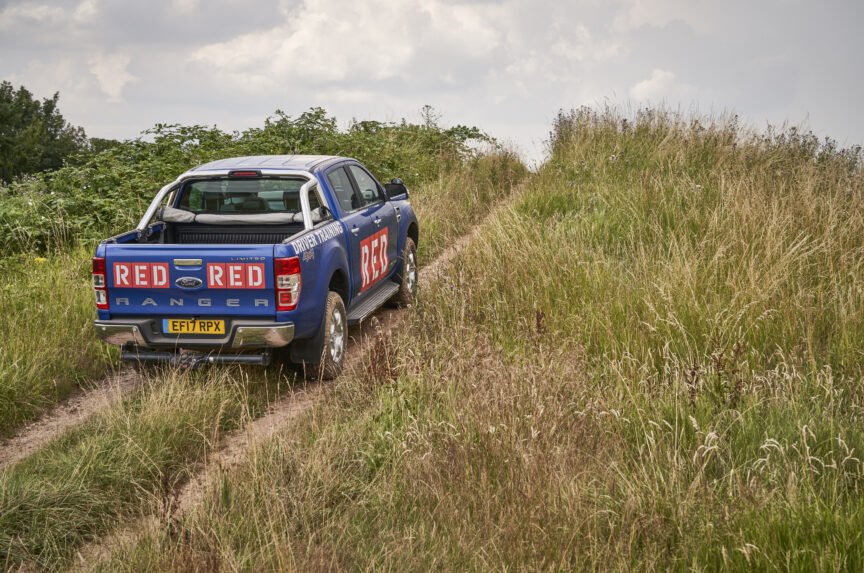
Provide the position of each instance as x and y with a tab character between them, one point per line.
288	283
99	283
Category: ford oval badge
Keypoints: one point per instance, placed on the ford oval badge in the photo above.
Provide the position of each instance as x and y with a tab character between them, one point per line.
188	282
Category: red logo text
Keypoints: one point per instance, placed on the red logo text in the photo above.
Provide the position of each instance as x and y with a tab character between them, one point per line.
373	258
235	275
140	275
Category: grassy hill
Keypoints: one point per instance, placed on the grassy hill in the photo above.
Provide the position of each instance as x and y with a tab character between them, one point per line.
650	359
50	224
130	457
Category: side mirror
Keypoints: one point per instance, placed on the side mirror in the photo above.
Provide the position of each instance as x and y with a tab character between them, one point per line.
396	189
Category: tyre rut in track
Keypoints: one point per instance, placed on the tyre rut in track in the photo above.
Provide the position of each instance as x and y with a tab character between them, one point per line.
295	403
70	412
76	409
289	407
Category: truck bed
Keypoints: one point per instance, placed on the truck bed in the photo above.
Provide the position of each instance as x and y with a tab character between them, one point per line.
187	234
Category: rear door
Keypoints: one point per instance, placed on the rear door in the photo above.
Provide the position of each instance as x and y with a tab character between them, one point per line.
378	242
358	224
179	280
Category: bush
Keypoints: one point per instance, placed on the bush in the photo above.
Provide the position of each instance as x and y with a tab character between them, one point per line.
106	192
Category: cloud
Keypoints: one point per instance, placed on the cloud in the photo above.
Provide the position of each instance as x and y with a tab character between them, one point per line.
661	86
505	65
110	71
15	15
576	42
44	78
86	11
333	41
705	16
185	6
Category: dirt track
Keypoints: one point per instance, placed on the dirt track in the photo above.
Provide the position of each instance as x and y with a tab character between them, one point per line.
65	415
79	407
295	403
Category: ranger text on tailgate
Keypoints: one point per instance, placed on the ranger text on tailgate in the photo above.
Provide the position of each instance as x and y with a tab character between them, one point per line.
241	257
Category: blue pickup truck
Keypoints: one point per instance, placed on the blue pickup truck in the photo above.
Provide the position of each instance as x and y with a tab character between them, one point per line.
242	258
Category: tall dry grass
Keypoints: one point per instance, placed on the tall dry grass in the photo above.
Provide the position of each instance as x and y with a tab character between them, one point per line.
47	349
651	360
131	458
450	203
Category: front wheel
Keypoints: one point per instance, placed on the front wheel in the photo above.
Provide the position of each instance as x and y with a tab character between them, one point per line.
407	293
335	338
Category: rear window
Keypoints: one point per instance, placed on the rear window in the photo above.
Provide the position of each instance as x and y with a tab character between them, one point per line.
260	195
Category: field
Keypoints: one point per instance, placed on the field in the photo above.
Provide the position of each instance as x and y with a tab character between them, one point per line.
647	357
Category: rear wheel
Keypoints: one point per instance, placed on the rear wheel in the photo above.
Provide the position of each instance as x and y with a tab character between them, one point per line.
335	338
408	288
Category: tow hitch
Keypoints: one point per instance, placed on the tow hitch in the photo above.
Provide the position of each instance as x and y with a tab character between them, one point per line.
192	360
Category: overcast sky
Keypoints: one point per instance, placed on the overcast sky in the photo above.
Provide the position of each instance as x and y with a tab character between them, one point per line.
507	67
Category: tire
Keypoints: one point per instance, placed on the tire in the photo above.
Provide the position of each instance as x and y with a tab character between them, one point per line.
407	293
335	339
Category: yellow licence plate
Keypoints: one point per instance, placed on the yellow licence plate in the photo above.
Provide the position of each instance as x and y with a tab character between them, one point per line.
184	326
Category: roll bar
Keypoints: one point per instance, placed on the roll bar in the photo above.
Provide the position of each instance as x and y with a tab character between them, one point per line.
311	182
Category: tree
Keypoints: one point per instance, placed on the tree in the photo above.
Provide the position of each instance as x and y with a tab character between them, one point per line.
33	135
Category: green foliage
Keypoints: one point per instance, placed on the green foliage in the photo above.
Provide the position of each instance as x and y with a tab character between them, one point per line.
131	458
47	348
650	360
127	458
96	145
33	136
105	193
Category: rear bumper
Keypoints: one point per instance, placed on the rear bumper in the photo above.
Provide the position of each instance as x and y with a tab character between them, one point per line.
241	334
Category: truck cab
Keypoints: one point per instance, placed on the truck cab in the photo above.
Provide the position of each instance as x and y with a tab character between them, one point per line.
240	258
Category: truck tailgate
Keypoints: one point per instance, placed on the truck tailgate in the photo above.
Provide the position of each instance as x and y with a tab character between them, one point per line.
190	280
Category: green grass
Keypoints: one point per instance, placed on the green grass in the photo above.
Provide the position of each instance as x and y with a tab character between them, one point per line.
452	202
47	349
651	360
126	460
130	459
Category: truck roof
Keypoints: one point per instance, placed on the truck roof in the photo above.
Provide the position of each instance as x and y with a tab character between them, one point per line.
295	162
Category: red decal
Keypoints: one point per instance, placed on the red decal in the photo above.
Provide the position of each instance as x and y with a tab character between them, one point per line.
235	275
382	256
219	275
255	275
141	275
373	259
216	275
364	265
122	275
159	275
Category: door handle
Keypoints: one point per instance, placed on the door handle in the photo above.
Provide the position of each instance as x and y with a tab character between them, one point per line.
398	215
377	221
355	230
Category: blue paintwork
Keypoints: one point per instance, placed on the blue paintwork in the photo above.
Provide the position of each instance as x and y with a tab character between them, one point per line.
325	251
174	301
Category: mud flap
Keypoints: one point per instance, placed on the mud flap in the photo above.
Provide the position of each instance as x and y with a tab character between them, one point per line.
309	350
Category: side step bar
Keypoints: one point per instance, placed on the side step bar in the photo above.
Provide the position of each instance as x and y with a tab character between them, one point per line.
192	360
372	303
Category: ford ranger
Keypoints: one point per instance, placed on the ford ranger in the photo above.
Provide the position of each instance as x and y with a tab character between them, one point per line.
242	258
